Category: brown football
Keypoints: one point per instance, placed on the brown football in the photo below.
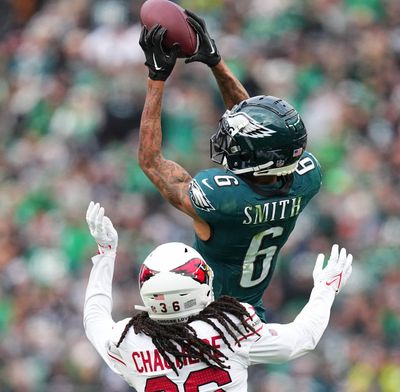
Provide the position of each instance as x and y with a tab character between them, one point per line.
173	18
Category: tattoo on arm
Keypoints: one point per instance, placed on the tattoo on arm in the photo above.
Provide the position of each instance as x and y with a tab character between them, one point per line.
171	179
230	87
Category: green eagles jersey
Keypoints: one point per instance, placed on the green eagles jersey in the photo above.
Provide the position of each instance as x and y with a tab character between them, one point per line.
248	229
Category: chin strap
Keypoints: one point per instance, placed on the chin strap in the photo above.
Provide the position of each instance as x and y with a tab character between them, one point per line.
263	170
278	171
142	308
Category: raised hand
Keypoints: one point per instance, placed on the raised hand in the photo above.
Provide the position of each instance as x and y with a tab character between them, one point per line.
102	229
207	52
336	272
159	62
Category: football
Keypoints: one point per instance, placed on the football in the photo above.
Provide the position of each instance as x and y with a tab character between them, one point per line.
173	18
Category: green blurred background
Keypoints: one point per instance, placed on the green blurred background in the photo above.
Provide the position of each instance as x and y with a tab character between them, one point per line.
72	85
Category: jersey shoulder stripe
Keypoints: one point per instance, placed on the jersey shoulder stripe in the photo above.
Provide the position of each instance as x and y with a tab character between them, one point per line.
252	320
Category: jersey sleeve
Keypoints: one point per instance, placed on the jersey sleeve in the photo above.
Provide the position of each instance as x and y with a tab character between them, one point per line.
316	175
99	326
282	342
97	319
254	321
116	360
310	169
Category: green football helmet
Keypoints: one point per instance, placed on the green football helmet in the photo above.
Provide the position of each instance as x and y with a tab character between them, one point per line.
263	134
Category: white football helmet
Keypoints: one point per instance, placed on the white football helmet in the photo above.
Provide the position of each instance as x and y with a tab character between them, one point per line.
175	283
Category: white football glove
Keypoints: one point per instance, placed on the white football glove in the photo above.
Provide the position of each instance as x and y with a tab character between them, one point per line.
101	229
336	272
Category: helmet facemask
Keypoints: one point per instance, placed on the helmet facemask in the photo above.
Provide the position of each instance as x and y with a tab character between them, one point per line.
221	140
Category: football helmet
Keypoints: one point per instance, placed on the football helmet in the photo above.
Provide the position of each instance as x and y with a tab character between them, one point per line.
175	283
263	134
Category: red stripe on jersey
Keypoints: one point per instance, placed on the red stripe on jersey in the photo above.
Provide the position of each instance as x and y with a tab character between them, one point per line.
250	318
112	356
251	334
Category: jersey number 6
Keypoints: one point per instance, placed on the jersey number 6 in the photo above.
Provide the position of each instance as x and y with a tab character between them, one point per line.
254	252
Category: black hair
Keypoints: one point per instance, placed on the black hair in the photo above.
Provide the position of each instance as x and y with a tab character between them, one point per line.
180	340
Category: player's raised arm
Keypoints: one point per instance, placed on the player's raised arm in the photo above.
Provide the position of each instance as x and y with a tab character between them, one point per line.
171	179
282	342
231	89
97	319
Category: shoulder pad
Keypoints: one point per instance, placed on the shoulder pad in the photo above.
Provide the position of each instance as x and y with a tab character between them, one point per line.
203	190
253	320
312	156
308	166
210	191
117	330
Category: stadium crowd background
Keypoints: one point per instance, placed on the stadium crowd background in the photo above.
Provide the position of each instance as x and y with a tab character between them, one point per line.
72	85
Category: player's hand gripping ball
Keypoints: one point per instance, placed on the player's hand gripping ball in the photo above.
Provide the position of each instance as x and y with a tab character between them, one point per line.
172	17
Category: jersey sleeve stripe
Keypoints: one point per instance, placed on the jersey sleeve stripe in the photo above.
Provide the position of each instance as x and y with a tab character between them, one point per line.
251	317
251	333
115	358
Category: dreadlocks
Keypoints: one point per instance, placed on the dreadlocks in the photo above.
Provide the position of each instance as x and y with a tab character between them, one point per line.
180	340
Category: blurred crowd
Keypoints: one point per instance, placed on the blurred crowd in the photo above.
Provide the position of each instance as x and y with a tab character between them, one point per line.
72	84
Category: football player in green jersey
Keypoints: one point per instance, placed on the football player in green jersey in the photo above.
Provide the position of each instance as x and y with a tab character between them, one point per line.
244	212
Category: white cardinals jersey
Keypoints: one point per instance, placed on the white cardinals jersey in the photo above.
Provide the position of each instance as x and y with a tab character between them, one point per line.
142	366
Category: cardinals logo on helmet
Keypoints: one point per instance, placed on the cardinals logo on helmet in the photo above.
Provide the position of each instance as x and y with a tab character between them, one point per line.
145	274
196	269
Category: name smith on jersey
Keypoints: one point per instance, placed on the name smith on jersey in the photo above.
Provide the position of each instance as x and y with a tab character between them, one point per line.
272	211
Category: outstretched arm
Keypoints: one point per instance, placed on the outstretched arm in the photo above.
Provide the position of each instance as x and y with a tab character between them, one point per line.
171	179
99	326
231	89
283	342
97	319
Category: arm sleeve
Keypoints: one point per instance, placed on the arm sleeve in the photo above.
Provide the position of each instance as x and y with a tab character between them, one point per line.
283	342
97	319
